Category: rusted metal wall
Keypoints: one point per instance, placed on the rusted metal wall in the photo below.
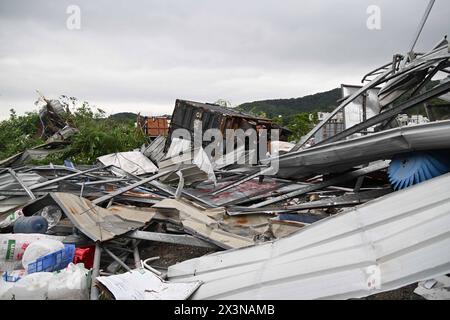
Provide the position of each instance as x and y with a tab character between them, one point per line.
156	126
186	113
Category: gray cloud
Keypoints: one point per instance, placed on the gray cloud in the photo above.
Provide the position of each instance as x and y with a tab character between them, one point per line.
142	55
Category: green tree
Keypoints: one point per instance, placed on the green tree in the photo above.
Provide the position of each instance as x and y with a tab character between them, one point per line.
300	124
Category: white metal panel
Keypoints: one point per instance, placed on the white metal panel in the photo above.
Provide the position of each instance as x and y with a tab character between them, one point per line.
353	112
402	238
132	162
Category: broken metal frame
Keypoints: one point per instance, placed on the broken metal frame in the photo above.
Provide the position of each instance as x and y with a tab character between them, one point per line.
340	179
383	77
137	236
336	202
171	238
169	190
432	93
380	79
73	175
22	184
120	191
261	172
419	30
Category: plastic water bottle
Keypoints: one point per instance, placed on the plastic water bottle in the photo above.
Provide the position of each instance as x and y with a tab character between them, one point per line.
52	214
34	224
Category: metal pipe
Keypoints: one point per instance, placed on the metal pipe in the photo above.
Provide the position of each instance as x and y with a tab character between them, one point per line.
128	188
435	92
368	86
137	258
96	271
421	25
49	182
343	178
116	258
22	184
171	238
114	266
245	179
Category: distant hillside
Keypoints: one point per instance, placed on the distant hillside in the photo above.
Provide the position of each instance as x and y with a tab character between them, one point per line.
124	116
323	101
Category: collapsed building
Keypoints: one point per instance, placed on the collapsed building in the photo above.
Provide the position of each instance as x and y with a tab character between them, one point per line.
358	212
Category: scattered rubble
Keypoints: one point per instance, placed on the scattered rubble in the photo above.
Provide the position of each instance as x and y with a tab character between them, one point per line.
345	213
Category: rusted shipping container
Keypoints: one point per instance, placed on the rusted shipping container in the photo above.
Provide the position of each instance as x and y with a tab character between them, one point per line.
187	113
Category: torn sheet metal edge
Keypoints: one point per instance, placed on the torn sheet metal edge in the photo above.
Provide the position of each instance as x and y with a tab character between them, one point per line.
356	254
197	222
341	201
383	145
181	239
107	224
380	165
133	162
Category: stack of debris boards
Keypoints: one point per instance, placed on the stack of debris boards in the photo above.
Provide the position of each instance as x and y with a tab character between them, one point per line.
363	211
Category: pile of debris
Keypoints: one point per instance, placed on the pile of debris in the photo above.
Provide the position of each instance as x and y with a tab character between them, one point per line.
363	211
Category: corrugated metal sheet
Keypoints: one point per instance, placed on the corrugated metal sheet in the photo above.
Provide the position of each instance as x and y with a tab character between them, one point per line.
7	182
339	156
155	151
95	222
132	162
386	244
11	203
197	221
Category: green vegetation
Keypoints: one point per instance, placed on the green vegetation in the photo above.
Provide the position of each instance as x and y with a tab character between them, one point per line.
18	133
324	101
99	135
300	124
297	114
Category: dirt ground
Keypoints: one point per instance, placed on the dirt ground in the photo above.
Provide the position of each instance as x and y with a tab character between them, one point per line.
171	254
405	293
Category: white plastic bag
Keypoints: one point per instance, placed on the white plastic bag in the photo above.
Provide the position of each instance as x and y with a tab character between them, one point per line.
39	249
70	284
31	287
4	289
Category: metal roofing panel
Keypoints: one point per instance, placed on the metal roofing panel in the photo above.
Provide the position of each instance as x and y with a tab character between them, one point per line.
342	155
197	221
354	112
133	162
7	182
95	222
383	245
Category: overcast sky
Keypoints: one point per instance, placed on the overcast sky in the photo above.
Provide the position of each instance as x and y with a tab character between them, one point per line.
140	56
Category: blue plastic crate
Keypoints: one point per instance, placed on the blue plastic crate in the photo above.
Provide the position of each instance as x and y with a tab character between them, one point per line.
53	261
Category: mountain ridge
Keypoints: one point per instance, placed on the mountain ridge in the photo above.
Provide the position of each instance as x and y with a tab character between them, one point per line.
321	101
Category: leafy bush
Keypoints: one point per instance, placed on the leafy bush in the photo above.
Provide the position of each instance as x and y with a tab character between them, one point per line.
98	135
19	133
